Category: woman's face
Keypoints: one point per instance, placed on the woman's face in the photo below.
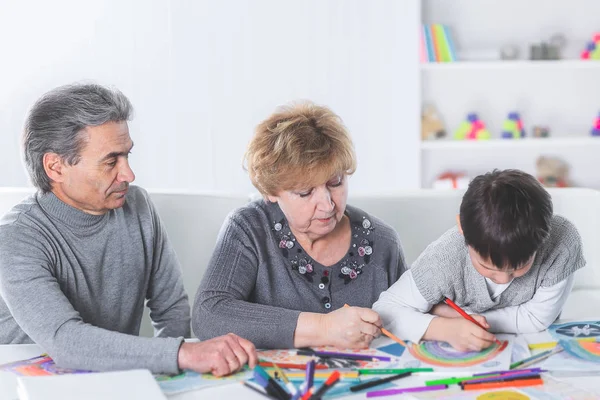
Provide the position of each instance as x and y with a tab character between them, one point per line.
314	211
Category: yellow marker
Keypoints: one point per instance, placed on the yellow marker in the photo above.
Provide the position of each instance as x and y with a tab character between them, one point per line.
551	345
281	373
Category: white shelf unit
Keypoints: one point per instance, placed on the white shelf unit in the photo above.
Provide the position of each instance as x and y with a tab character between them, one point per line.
532	143
559	94
515	65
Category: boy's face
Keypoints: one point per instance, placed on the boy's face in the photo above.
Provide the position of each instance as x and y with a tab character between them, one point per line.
495	274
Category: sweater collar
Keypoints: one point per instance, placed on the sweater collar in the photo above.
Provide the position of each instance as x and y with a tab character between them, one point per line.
67	214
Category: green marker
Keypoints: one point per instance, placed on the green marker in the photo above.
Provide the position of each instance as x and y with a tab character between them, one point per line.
452	381
392	371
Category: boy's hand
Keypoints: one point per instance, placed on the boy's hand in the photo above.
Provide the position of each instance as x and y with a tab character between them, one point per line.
462	334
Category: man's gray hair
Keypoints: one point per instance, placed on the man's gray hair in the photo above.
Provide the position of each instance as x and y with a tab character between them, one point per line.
57	120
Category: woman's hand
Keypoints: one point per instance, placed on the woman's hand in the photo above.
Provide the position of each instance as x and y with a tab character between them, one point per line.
351	327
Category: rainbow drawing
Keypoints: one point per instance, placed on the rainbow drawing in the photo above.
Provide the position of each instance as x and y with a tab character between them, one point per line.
443	355
588	351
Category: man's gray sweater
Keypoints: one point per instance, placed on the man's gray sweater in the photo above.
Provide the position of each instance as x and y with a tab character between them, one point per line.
76	284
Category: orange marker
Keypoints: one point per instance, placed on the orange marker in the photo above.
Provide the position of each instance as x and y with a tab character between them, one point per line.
495	385
465	315
389	334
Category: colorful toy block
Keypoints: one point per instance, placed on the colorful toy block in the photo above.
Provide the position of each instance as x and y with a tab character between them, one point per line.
472	129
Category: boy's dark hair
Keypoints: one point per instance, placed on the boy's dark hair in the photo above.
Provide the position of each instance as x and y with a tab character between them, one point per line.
505	217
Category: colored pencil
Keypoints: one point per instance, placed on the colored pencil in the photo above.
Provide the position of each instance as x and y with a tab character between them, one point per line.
341	356
393	337
332	380
392	371
527	364
391	392
465	315
536	358
495	385
551	345
377	382
389	334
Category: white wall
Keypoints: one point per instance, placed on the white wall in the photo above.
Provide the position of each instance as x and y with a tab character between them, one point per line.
202	74
46	44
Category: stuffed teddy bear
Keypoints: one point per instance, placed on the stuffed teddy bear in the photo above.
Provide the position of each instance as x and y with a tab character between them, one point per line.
431	124
552	172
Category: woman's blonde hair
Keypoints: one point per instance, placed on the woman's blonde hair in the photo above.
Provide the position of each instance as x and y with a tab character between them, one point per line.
300	146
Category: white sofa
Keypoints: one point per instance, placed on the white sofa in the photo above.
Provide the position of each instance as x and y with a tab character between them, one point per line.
193	221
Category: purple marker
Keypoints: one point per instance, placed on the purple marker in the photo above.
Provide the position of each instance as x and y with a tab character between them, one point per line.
391	392
310	375
346	356
510	371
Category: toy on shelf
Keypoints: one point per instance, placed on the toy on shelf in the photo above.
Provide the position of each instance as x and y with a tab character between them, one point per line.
431	124
592	50
550	50
552	172
513	127
541	131
451	180
596	128
472	129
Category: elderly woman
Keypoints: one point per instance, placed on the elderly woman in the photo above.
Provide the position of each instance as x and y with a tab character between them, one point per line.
285	265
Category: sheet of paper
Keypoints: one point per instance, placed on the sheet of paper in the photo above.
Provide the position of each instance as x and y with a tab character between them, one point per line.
443	358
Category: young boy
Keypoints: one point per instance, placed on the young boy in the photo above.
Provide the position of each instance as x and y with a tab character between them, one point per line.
510	260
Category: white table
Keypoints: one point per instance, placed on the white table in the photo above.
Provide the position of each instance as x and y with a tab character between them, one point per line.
9	353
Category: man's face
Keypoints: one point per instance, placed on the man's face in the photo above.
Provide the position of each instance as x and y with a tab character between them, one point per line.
100	180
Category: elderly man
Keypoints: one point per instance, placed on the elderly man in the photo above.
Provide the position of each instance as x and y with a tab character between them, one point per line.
80	257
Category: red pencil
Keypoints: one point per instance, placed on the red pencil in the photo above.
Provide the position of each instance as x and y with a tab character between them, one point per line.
465	315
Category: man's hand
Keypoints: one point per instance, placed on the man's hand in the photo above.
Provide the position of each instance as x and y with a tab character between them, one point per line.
222	355
351	327
462	334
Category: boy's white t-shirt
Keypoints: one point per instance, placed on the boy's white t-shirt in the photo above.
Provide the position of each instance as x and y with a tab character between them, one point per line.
496	289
